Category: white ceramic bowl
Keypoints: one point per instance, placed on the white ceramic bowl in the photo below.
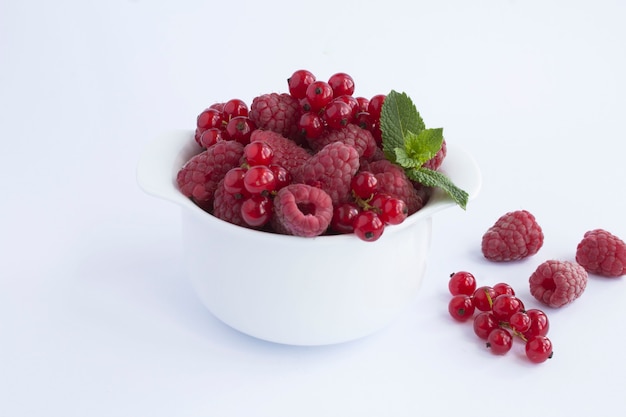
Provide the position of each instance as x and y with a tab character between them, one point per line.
295	290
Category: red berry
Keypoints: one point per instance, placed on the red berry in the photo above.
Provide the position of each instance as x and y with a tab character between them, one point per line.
368	226
364	120
539	323
363	103
394	211
504	306
461	307
259	179
375	106
318	95
484	323
499	341
298	83
538	349
233	108
342	84
256	210
311	125
462	282
233	181
343	217
337	114
364	184
210	118
483	298
210	137
520	322
239	128
258	153
503	288
350	101
601	252
283	177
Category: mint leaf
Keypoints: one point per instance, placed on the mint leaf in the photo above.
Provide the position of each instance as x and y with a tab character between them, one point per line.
423	146
431	178
405	160
398	116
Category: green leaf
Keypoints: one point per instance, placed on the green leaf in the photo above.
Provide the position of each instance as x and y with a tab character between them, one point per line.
423	146
404	159
431	178
398	117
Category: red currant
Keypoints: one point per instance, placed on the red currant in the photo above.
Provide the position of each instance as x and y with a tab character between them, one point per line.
520	322
210	137
258	153
283	177
210	118
239	128
257	210
483	298
364	184
504	306
337	114
394	211
352	102
298	83
363	103
375	106
343	217
484	323
462	282
259	179
503	288
233	181
538	349
368	226
342	84
233	108
499	341
311	125
363	120
461	307
318	95
539	323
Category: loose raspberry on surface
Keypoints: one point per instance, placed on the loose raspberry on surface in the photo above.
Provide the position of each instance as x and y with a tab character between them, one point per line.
602	253
515	235
198	178
302	210
286	152
332	169
557	283
276	112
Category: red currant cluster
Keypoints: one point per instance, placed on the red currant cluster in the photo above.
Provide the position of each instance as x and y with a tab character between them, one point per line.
255	181
501	316
370	211
331	104
224	121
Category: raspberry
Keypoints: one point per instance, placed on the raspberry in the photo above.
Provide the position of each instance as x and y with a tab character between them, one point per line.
286	152
353	135
227	206
514	236
602	253
393	181
302	210
279	113
435	162
199	177
332	169
557	283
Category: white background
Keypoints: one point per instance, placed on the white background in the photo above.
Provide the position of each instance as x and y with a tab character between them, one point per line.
96	315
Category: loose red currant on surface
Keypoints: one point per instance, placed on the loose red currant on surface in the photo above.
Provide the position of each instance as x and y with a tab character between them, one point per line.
233	108
239	128
461	307
343	217
299	82
337	114
257	210
499	341
318	95
504	306
258	153
503	288
483	298
539	323
210	118
210	137
364	184
484	323
538	349
233	181
462	282
342	84
311	125
259	179
368	226
520	322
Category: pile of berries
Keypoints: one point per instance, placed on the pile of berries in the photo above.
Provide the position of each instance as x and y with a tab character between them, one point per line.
306	163
501	316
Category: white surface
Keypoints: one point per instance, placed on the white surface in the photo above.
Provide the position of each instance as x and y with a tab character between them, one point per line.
96	316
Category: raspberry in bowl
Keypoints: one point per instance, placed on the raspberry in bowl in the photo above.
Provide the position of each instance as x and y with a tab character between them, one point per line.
292	282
